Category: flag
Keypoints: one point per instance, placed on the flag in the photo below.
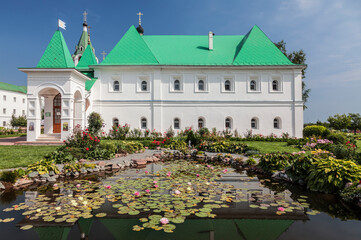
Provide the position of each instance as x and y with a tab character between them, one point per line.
61	24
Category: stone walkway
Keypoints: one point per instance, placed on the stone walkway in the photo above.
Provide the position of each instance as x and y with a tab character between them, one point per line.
11	140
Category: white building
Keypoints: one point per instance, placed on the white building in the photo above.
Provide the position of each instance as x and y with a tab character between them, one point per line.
241	82
12	102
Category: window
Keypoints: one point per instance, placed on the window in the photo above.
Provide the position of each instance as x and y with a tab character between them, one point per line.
115	122
4	110
200	85
254	123
4	97
275	85
227	85
176	123
276	123
143	123
176	85
200	123
144	86
23	112
23	100
14	111
14	99
228	123
116	86
253	85
4	123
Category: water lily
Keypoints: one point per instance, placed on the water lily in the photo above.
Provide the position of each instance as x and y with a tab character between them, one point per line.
38	210
80	198
154	182
137	194
78	185
55	185
188	188
168	174
225	171
197	175
164	221
207	183
147	191
281	209
156	186
189	183
146	172
177	192
85	202
108	187
57	208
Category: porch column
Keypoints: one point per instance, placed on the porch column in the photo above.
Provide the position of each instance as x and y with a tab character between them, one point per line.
67	119
34	118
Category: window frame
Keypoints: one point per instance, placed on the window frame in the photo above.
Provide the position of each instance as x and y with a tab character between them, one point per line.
230	121
256	123
113	79
257	80
231	80
114	120
143	120
172	84
201	119
174	124
279	79
279	123
199	78
141	79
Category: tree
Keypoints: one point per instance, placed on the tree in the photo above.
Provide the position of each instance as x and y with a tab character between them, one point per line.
95	123
18	121
355	121
339	122
297	57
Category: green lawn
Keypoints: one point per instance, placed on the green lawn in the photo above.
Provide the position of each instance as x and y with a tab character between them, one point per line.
13	135
358	145
267	147
21	156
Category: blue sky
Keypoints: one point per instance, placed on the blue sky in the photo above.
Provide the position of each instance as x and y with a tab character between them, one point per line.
329	31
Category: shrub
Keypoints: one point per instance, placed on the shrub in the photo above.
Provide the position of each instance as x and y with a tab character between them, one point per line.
9	176
316	130
95	123
193	137
351	193
204	132
224	146
43	166
337	137
341	151
176	145
71	167
119	132
330	175
60	156
18	121
251	161
271	162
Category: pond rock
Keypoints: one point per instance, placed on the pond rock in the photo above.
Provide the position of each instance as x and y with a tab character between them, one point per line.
2	187
46	175
33	174
51	173
51	179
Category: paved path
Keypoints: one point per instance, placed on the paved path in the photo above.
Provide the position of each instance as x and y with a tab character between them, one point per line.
11	140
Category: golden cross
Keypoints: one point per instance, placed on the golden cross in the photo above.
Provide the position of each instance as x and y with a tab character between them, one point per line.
104	53
140	17
85	14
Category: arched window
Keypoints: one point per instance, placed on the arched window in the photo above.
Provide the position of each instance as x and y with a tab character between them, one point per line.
253	85
275	85
276	123
143	123
144	86
227	85
254	123
176	123
176	85
200	85
116	86
115	122
228	123
200	123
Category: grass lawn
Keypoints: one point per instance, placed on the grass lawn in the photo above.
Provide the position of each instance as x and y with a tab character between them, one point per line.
358	145
267	147
21	156
13	135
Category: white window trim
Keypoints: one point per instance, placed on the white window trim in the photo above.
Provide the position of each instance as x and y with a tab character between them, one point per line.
279	123
205	79
256	78
146	123
280	83
257	123
231	123
172	78
142	78
223	82
180	122
111	83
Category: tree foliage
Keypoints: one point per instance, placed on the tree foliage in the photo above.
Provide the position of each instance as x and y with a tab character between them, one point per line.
339	122
95	123
355	121
18	121
297	57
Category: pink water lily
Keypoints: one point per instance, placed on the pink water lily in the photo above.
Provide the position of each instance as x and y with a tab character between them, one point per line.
108	187
78	185
189	183
164	221
281	209
197	175
154	182
147	191
168	174
156	186
55	185
225	171
177	192
137	194
146	172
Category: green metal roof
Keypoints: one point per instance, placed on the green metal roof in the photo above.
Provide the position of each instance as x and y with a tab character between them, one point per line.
130	50
57	54
255	48
89	83
83	42
88	58
12	88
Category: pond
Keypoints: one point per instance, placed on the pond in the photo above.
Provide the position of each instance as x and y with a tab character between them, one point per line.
198	201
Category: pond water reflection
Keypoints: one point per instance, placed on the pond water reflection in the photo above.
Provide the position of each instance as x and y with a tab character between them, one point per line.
251	216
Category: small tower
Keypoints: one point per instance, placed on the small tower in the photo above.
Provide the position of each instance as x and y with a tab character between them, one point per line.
84	41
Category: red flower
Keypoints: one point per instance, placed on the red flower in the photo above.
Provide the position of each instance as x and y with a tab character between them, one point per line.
116	130
91	138
87	149
86	129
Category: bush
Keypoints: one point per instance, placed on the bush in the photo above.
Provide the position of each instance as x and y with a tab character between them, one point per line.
224	146
95	123
176	145
271	162
18	121
351	193
251	161
119	132
43	166
61	156
316	130
330	175
343	151
337	137
9	176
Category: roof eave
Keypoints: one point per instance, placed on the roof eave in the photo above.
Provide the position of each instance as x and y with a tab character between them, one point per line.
72	70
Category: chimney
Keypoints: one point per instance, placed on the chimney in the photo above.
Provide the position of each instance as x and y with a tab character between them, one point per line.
210	41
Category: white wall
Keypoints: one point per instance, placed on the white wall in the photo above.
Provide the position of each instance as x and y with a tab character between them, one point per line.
160	105
9	105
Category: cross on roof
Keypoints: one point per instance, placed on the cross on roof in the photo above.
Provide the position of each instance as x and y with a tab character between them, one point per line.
104	53
85	14
140	17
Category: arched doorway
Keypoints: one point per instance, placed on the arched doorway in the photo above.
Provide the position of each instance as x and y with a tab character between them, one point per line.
57	114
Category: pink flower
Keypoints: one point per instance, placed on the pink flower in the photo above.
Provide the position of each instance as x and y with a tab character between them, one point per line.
55	185
189	183
147	191
136	194
156	186
146	172
164	221
154	182
108	187
177	192
168	174
197	175
281	209
78	185
225	170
